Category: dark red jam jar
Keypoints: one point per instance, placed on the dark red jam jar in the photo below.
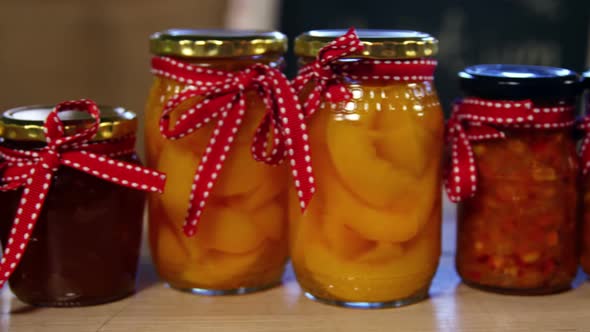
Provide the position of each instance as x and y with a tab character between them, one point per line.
585	199
84	247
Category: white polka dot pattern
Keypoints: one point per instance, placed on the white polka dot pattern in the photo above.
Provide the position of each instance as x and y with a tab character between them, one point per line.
224	100
476	119
328	73
33	170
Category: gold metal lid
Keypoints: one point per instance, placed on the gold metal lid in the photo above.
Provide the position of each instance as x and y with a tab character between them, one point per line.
26	123
217	43
378	44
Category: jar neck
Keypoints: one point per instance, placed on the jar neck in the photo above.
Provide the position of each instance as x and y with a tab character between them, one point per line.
236	63
549	101
387	70
37	145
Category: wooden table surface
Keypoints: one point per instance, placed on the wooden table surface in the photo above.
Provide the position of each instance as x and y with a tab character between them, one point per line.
452	307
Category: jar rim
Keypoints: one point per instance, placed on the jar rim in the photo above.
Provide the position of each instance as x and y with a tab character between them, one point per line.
377	43
27	123
518	82
216	43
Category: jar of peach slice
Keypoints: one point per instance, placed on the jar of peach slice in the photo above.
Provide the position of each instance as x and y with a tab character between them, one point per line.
241	241
371	235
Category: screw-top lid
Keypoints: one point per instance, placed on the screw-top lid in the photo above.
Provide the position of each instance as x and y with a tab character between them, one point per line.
217	43
27	123
516	82
378	44
586	79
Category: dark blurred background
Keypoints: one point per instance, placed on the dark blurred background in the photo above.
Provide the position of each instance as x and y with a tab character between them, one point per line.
63	49
539	32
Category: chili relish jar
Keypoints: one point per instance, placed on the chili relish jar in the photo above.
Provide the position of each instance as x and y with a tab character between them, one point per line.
371	235
218	117
514	170
72	203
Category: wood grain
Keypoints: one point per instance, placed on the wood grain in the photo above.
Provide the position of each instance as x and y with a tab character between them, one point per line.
453	307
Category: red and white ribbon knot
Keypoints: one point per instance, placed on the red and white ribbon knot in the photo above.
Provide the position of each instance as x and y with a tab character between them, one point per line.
475	120
33	170
330	73
222	98
325	72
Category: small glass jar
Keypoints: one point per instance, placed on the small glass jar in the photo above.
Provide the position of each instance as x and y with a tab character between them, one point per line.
84	249
518	233
371	235
241	242
585	241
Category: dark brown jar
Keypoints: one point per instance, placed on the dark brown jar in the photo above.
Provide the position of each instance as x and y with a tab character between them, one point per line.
84	248
585	199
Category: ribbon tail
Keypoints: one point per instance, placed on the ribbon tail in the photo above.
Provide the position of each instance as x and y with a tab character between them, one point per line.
461	176
312	103
115	171
299	155
29	209
585	154
212	162
260	143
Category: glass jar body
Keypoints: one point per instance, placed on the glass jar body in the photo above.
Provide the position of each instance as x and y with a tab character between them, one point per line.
241	243
371	235
518	233
85	247
585	201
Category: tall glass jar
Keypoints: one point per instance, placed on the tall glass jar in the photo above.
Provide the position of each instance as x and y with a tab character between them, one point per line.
84	248
371	235
585	240
241	243
518	233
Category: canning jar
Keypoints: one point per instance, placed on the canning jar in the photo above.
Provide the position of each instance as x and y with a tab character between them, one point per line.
585	200
71	215
205	82
371	235
514	171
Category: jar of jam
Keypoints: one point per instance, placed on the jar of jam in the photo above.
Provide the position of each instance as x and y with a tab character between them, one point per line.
371	235
240	244
585	241
71	216
514	171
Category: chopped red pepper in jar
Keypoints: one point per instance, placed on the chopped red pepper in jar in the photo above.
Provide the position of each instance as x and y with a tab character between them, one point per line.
517	232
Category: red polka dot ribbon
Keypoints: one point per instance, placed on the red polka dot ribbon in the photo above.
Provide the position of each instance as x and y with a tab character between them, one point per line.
477	120
330	70
33	170
223	100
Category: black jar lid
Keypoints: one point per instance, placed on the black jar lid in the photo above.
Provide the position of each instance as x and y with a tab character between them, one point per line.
516	82
586	79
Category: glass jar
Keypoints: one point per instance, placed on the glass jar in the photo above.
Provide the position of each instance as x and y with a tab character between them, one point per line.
84	248
371	235
585	241
518	233
241	242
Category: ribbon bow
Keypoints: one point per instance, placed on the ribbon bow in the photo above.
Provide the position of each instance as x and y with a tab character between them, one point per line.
325	72
224	101
329	72
34	169
477	120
